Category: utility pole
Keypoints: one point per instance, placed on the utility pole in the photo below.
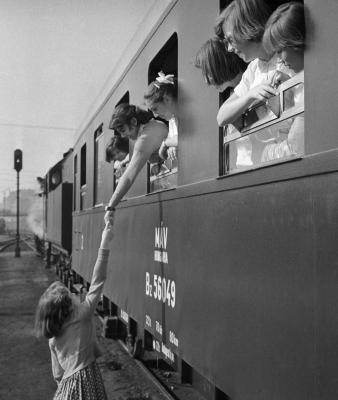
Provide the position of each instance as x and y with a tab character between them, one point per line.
18	168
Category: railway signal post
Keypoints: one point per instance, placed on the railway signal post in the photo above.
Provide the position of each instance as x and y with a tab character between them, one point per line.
18	168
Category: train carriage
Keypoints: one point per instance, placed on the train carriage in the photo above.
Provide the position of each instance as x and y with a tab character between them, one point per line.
228	273
58	199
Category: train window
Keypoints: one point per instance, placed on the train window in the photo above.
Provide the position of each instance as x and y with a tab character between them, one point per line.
55	177
269	132
121	165
124	99
162	174
75	182
223	4
99	158
83	178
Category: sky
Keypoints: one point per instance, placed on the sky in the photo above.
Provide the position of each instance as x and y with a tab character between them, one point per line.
56	57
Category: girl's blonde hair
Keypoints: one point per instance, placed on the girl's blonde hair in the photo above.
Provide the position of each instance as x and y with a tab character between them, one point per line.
245	18
53	310
285	28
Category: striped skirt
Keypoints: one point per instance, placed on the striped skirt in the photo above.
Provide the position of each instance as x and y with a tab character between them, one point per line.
86	384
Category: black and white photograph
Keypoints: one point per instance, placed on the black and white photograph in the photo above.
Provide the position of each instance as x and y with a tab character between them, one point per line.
168	200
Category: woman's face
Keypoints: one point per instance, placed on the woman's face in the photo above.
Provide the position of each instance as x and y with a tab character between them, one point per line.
164	109
245	49
129	131
292	58
119	155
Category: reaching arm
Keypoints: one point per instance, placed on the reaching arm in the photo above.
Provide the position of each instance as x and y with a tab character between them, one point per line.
149	141
232	108
137	162
100	270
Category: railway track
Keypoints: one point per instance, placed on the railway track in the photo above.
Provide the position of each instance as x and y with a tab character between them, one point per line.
26	243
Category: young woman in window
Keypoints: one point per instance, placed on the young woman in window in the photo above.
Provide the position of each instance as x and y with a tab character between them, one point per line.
136	124
161	99
285	36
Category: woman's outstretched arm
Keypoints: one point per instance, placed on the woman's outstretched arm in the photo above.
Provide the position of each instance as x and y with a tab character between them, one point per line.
149	141
100	270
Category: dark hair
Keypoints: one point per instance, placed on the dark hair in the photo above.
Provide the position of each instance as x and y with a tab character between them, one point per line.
53	310
157	90
117	143
285	28
247	19
217	64
124	113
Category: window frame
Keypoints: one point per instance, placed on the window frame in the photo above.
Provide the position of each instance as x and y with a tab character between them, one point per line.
98	135
155	66
257	126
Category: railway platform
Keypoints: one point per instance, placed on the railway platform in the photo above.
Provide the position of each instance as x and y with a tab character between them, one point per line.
25	370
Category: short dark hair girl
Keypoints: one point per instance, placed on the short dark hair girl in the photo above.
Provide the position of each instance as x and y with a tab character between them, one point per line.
124	113
217	64
117	144
161	86
285	28
53	310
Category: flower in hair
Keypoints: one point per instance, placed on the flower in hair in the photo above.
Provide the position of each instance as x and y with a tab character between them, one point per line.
162	78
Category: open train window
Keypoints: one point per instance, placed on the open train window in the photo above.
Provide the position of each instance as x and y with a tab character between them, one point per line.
161	174
83	176
75	182
223	4
125	99
55	177
121	165
99	158
269	132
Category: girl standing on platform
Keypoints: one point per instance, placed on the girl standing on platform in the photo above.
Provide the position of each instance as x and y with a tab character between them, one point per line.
69	326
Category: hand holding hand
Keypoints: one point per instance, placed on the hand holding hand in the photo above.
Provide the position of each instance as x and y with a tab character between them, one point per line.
107	236
109	218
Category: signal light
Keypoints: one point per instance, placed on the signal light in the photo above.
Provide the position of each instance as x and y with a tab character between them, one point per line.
18	160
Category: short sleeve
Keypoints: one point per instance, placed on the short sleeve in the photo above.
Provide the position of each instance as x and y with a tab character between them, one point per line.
247	79
56	367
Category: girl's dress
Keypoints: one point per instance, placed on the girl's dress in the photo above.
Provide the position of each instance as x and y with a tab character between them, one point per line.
252	149
74	351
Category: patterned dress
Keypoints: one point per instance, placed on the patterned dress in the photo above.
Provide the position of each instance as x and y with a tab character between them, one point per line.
86	384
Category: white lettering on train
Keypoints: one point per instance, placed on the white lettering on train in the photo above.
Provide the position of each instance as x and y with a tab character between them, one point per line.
168	353
161	238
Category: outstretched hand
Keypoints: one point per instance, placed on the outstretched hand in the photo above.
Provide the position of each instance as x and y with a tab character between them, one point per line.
107	236
109	218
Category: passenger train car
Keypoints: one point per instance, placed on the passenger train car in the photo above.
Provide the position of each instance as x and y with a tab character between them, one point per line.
228	272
